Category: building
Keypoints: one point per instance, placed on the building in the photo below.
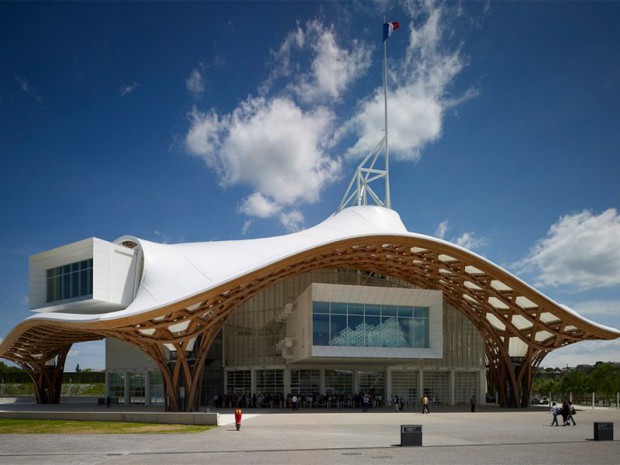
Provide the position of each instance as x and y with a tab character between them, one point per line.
356	304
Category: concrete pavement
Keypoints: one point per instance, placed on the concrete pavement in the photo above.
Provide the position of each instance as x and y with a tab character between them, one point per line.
450	436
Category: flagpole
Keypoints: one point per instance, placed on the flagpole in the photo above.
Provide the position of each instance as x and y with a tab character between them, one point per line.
388	202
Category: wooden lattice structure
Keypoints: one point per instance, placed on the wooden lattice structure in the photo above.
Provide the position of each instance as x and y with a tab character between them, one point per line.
519	325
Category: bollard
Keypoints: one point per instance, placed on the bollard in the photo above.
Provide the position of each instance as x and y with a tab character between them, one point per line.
238	415
410	435
603	431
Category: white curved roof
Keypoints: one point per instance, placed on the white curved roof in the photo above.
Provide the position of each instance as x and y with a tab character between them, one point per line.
498	302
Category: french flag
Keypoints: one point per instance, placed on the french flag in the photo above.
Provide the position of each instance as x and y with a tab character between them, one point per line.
388	28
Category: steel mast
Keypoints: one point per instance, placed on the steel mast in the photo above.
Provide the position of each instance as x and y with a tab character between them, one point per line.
359	191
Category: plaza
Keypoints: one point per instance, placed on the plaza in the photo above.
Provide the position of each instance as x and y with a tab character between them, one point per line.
451	435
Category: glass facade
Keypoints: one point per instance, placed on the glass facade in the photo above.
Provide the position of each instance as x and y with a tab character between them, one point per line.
136	387
437	386
465	386
338	381
270	381
239	382
305	382
156	388
70	281
405	385
372	382
116	387
369	325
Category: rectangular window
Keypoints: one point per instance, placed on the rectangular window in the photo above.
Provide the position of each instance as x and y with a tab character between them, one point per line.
320	330
339	381
369	325
239	382
305	382
70	281
270	381
156	388
116	387
136	387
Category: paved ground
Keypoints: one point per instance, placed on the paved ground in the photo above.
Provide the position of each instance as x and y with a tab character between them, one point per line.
489	436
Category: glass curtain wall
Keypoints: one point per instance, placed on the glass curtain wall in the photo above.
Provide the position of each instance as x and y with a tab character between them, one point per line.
136	387
239	382
372	382
437	386
156	388
70	281
405	385
465	386
270	381
369	325
305	382
339	382
116	386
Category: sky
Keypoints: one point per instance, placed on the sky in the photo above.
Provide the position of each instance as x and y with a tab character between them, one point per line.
201	121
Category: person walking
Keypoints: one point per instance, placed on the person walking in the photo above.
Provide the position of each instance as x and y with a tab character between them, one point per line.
425	405
564	413
571	412
365	402
554	411
472	402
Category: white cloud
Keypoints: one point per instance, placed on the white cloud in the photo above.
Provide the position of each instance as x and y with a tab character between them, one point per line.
591	308
163	238
28	88
586	352
442	229
332	68
247	224
581	250
127	89
195	83
203	137
467	240
258	205
283	142
271	145
292	221
417	91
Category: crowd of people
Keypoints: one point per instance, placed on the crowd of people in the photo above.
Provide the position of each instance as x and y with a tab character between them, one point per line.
295	401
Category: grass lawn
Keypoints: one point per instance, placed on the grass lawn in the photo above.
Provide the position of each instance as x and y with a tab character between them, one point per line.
9	426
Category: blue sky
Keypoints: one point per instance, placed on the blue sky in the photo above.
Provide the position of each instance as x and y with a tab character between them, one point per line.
180	122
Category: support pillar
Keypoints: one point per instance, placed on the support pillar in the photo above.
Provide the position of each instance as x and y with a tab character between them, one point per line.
126	387
147	387
451	386
46	376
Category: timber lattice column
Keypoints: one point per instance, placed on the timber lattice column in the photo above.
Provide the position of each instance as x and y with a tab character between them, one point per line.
47	378
510	377
182	369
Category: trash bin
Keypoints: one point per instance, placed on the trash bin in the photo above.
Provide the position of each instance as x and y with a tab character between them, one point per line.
603	431
410	435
